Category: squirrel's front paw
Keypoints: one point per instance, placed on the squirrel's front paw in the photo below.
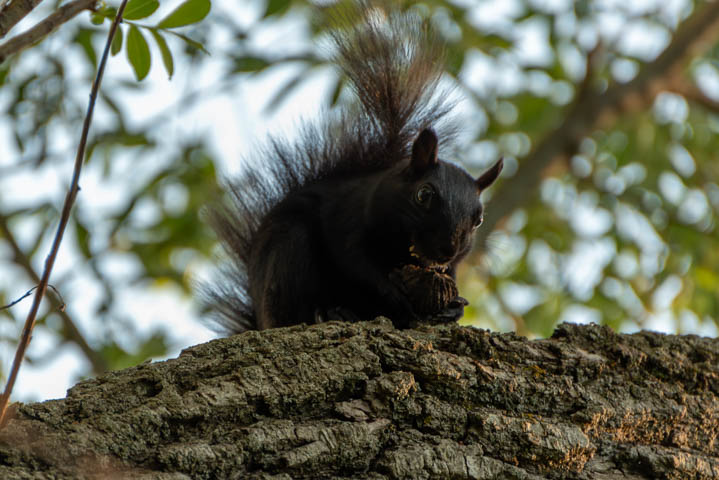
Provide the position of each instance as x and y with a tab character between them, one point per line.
451	313
341	314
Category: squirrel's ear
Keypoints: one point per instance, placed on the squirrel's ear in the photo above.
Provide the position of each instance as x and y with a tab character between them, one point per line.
424	151
488	177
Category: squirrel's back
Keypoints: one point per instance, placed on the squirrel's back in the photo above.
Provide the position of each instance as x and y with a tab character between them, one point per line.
274	217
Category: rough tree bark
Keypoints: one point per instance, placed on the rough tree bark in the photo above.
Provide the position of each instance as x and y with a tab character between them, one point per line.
367	401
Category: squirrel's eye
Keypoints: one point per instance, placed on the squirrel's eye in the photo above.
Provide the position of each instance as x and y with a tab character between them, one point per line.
424	195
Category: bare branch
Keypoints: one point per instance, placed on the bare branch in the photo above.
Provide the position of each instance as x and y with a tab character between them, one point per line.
64	218
44	28
593	109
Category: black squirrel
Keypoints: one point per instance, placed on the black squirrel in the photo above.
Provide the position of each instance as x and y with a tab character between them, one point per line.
358	217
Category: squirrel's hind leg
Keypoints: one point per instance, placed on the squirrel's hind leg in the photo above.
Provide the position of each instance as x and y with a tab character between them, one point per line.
284	276
341	314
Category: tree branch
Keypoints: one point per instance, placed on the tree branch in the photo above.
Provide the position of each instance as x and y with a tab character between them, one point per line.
44	28
694	95
64	218
593	109
363	400
13	12
71	331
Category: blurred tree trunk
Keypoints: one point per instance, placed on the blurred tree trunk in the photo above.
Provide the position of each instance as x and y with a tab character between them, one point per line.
368	401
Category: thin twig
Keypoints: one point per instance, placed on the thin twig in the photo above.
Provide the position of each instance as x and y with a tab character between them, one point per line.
44	28
71	332
29	292
67	207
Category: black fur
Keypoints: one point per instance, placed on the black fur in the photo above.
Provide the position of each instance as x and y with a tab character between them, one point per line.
315	232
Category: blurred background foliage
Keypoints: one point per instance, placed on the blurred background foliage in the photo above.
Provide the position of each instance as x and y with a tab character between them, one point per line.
621	229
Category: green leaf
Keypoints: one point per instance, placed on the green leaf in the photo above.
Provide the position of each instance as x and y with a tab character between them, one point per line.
250	64
3	74
189	12
137	9
286	90
116	42
138	53
107	11
276	6
97	19
83	238
84	39
166	54
189	41
337	91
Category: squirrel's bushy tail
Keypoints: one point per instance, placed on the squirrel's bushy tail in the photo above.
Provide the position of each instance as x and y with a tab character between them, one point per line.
393	63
